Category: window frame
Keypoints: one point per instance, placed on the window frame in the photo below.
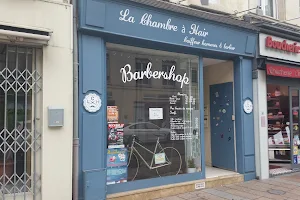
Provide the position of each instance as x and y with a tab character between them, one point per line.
274	9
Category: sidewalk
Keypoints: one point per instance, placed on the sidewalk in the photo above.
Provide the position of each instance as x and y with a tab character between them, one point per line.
281	187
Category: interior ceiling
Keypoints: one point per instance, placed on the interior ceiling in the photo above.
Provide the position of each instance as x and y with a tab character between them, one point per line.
141	51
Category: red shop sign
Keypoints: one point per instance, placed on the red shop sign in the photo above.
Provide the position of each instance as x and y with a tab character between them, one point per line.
282	71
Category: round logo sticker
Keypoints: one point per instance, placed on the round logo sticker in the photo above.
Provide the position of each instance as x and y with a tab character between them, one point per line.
248	106
92	102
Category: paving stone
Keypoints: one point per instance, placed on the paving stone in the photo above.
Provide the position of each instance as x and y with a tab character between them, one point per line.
187	195
245	189
280	184
172	198
296	192
286	181
263	198
205	195
242	194
222	188
224	195
285	187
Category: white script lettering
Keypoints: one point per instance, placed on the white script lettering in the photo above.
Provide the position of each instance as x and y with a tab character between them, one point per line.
125	16
195	31
128	76
230	47
146	20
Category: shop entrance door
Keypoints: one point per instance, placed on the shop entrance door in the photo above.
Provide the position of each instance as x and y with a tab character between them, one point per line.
222	126
294	127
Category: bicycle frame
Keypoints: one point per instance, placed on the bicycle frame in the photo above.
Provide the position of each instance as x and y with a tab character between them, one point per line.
153	153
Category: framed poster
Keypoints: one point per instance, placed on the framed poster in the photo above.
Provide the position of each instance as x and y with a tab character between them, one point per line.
155	113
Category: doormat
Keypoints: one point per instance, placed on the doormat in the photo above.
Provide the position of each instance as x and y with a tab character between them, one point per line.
274	166
279	171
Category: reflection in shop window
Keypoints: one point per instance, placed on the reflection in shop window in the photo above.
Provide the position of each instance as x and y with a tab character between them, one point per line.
152	131
167	67
107	68
194	76
141	65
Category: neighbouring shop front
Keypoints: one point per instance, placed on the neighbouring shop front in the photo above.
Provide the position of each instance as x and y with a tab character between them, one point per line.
165	97
279	61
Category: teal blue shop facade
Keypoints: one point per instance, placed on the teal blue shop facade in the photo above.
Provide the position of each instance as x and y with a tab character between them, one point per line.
160	27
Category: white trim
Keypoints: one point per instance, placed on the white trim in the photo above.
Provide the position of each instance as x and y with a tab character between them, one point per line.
26	27
24	35
7	36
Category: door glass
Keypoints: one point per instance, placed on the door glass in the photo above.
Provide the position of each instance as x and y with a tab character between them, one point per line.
295	126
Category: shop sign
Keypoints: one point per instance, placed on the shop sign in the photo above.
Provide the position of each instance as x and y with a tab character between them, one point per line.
128	75
282	45
288	72
196	34
280	48
142	22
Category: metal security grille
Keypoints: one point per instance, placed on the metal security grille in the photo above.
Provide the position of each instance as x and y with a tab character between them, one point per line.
20	122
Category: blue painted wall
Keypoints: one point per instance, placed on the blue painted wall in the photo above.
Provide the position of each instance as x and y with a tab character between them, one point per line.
99	23
244	123
92	127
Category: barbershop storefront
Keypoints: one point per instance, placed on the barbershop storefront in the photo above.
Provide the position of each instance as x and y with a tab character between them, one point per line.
165	98
279	70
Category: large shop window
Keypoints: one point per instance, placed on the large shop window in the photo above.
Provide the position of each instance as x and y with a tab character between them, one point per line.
152	113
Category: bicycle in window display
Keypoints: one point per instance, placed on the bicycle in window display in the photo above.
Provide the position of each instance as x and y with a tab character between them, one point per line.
166	161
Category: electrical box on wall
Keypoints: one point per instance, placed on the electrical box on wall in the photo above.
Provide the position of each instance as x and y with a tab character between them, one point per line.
55	117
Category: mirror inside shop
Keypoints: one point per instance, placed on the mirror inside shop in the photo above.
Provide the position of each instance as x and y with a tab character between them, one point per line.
283	127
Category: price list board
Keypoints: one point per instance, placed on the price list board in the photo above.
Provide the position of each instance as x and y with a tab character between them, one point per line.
181	107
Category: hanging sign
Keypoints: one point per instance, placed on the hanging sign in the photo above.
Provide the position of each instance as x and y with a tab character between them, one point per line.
92	102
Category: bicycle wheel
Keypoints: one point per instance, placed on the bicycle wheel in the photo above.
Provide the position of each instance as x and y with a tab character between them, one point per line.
173	156
133	166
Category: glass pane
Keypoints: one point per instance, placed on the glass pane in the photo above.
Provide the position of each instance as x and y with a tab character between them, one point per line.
153	114
295	125
269	8
278	123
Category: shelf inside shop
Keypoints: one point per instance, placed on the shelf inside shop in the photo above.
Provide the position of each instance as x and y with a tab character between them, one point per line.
280	160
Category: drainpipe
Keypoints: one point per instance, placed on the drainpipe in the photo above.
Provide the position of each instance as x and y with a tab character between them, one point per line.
75	105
